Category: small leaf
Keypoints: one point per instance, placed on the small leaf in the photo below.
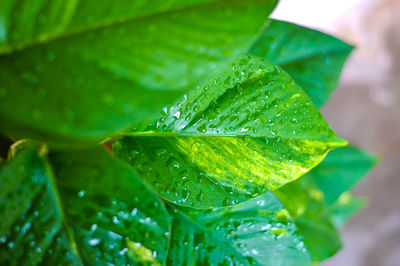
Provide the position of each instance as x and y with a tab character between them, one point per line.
86	77
319	200
90	212
313	59
345	207
247	132
257	232
341	170
312	216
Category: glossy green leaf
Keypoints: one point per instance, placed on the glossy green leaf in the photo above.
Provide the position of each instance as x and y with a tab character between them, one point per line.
247	132
88	210
258	232
313	59
312	216
344	208
79	77
341	170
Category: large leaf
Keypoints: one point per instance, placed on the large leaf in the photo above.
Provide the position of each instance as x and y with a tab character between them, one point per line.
247	132
84	77
257	232
313	59
92	211
312	216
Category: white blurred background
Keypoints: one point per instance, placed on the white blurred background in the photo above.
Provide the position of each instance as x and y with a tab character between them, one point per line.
365	110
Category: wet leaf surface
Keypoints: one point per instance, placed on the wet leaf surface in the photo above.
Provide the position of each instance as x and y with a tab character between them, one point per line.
88	210
247	132
80	78
258	232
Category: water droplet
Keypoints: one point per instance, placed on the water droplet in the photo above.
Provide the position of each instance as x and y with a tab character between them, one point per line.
261	202
123	251
254	251
115	220
94	241
202	128
93	227
177	115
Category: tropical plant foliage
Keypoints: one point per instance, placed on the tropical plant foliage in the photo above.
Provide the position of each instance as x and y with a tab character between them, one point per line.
169	132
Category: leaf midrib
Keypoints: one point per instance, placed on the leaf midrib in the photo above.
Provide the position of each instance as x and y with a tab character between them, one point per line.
338	142
38	41
57	199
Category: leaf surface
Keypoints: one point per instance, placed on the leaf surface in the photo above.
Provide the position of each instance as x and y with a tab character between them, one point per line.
84	78
92	210
257	232
247	132
313	59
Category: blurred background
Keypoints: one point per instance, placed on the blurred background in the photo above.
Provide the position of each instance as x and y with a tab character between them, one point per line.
365	110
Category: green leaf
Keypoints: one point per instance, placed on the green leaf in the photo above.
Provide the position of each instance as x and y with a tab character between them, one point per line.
313	59
257	232
79	77
345	207
319	200
247	132
92	210
312	216
341	170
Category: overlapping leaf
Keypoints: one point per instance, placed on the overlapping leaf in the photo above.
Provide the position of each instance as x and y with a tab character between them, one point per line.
338	173
313	59
78	76
247	132
305	202
94	210
341	170
345	207
257	232
320	200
